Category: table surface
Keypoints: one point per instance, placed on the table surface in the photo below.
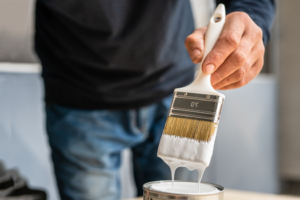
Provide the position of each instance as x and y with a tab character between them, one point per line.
242	195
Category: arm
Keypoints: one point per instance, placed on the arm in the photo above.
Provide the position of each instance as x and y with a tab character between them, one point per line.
237	56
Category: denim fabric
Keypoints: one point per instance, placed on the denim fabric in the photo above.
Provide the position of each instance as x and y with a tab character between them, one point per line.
86	148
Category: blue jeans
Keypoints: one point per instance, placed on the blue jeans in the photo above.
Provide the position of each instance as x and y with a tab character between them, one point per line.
86	148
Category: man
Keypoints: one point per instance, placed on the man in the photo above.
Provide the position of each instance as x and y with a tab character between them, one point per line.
110	68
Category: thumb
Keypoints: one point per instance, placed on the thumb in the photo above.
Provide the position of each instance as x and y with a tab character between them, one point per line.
194	44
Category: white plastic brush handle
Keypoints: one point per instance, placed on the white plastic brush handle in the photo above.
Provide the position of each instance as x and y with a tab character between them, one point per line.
202	84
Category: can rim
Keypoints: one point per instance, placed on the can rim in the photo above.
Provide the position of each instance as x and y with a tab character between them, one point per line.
157	193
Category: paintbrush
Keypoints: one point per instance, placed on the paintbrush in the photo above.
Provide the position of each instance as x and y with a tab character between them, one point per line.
189	132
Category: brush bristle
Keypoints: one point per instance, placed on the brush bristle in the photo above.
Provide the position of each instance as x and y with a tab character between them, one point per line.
198	130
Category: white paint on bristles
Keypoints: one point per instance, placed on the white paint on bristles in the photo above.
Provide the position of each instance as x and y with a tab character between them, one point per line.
184	152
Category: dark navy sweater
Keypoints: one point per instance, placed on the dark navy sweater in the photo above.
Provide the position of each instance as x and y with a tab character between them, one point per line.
112	54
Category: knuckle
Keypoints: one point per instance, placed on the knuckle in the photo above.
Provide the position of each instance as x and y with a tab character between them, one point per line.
239	57
190	39
263	49
186	42
260	64
231	40
239	15
216	56
224	88
240	73
219	75
244	15
241	83
259	32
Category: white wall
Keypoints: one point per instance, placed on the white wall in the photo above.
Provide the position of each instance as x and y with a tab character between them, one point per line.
23	142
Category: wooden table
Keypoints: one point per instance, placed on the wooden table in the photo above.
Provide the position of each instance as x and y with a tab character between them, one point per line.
241	195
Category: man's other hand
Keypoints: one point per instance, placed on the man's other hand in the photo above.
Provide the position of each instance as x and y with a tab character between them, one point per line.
237	56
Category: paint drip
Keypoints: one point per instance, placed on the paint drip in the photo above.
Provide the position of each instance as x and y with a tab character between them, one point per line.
184	152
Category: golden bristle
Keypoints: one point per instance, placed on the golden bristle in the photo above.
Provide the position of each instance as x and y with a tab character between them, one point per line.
198	130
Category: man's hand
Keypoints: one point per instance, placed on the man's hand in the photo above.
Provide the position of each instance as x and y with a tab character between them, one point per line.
237	56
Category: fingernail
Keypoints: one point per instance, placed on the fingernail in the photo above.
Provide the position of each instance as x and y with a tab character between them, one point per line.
195	53
209	68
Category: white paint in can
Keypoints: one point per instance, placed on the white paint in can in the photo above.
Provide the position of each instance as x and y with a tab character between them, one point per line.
162	190
184	188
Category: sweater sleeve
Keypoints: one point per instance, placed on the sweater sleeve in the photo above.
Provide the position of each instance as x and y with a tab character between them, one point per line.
261	11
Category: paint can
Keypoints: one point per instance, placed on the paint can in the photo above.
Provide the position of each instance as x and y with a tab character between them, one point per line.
183	190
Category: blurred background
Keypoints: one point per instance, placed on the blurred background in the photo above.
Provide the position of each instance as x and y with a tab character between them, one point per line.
258	142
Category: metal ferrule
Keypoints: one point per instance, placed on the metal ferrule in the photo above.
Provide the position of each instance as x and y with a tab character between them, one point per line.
197	106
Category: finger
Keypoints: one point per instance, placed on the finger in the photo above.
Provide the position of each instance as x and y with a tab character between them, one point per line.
234	77
234	61
194	44
254	71
256	53
227	43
